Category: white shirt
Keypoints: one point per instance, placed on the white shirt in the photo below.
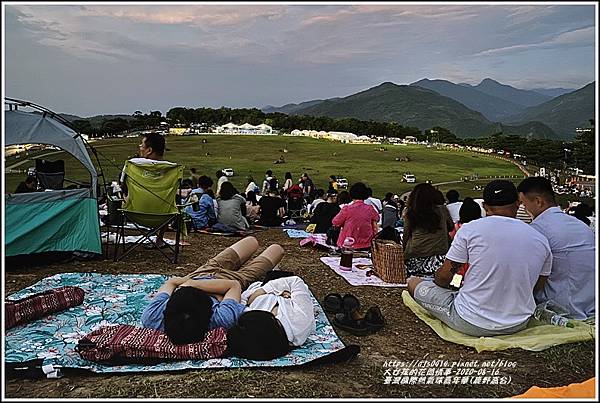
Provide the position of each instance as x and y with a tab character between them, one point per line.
314	204
480	202
252	187
572	280
454	210
376	203
139	160
220	182
506	257
296	314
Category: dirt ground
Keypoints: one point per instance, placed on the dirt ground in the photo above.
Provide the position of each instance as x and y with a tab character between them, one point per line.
404	338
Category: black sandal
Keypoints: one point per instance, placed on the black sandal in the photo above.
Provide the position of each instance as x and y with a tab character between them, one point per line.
357	327
374	319
333	303
350	304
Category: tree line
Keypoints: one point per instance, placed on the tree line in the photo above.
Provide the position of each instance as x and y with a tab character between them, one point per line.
540	152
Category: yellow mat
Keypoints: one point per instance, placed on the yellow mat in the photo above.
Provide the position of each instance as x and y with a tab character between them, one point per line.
535	337
585	389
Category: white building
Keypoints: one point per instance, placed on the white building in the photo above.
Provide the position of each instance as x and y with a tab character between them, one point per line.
246	128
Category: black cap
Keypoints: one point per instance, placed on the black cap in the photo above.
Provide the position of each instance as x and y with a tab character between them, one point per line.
500	193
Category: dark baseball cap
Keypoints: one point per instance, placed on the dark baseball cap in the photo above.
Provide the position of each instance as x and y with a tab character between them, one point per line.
500	193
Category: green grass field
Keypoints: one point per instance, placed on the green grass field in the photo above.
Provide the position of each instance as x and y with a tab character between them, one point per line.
253	155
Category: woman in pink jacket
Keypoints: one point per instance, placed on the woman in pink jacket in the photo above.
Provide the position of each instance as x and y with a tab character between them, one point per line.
358	220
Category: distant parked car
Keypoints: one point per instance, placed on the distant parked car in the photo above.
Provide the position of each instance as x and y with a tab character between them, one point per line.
342	183
409	178
228	171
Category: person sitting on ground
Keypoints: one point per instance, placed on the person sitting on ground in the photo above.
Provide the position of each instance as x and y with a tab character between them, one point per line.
320	198
288	181
343	198
194	178
324	213
232	208
272	209
151	151
426	227
469	211
252	186
375	202
279	316
266	186
357	220
252	207
571	283
203	213
28	185
389	213
509	261
523	215
453	204
333	185
221	178
185	308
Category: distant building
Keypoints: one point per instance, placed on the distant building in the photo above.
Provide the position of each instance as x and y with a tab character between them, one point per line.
246	128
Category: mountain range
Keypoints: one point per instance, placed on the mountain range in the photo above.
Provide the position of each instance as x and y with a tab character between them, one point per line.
467	110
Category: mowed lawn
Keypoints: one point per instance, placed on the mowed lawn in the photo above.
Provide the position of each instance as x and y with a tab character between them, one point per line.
253	155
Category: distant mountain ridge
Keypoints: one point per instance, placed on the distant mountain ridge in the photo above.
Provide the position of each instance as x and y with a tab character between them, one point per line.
564	113
418	107
520	97
553	92
493	108
291	108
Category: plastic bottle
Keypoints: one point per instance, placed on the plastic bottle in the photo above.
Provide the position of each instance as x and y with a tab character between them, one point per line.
545	315
347	255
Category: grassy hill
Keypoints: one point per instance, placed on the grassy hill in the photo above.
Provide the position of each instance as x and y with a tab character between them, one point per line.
417	107
564	113
253	155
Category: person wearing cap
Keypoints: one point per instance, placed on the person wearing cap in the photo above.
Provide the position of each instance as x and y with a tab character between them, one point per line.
151	151
508	262
571	283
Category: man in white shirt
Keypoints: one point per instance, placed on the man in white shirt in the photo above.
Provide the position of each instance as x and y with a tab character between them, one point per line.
508	260
453	204
571	283
221	177
321	198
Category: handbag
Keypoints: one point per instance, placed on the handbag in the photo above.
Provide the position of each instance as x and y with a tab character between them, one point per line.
388	260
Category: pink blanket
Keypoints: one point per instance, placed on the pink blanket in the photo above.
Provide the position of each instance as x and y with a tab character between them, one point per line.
358	275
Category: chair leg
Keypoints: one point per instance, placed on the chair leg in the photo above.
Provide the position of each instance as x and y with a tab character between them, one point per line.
177	237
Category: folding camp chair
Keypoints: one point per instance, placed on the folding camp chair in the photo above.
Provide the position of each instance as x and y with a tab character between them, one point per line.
151	204
50	174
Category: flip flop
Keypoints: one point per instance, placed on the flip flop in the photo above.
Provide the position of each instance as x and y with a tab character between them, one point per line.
332	303
357	327
374	319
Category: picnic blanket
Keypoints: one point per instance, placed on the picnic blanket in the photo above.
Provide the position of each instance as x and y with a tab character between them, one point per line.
586	389
120	299
358	275
318	241
296	233
536	337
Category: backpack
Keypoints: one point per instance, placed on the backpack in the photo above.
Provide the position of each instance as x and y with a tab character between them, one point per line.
273	185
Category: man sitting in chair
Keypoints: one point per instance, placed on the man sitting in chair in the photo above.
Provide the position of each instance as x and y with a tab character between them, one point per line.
151	150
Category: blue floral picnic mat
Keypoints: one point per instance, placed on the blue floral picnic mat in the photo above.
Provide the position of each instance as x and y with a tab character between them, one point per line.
120	299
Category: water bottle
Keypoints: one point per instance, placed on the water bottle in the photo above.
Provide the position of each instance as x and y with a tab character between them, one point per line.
547	316
347	255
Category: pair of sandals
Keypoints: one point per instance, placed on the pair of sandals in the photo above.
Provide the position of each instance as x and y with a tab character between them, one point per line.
345	310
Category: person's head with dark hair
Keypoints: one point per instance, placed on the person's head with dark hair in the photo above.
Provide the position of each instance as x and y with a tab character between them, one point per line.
344	197
469	211
500	197
320	193
152	146
227	191
439	197
536	194
258	335
452	196
421	205
288	175
369	192
210	192
205	182
219	173
359	191
187	314
193	170
582	211
333	178
269	172
388	197
251	197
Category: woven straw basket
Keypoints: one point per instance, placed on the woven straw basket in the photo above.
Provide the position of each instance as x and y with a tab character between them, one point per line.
388	261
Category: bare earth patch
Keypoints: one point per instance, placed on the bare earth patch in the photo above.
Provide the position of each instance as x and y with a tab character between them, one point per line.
405	338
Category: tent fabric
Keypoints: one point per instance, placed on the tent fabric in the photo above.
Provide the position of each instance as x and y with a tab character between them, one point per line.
69	224
34	128
42	197
586	389
535	337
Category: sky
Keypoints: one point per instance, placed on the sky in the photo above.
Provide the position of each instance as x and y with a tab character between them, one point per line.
88	58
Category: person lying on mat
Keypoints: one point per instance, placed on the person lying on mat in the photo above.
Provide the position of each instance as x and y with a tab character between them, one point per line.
279	316
508	261
185	308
